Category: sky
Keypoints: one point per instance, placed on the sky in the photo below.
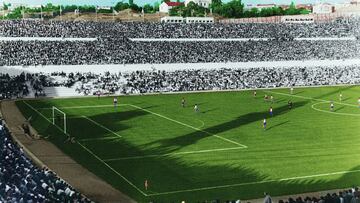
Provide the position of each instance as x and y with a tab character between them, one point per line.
142	2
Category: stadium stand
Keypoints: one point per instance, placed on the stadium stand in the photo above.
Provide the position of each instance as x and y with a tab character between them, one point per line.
346	196
22	181
114	47
138	82
37	28
116	52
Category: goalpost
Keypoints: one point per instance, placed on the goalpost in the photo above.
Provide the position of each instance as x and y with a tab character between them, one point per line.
54	117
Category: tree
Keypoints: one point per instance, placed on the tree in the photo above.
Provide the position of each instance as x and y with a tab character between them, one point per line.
292	9
156	6
121	6
135	7
5	6
174	11
278	11
148	8
131	2
216	6
304	11
233	9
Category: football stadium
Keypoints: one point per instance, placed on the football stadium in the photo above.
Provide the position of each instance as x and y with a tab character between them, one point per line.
200	110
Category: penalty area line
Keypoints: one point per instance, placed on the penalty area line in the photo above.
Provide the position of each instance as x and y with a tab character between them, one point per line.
189	126
254	183
84	107
101	126
93	154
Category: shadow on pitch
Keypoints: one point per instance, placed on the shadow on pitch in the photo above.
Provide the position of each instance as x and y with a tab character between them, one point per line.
209	110
84	128
345	99
210	171
277	125
298	92
169	145
336	91
338	109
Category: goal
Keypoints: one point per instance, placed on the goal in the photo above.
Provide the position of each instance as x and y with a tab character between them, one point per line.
59	118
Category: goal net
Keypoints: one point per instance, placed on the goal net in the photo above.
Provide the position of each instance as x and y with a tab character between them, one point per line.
59	118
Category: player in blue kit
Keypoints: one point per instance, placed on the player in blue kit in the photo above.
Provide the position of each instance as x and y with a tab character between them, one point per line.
271	111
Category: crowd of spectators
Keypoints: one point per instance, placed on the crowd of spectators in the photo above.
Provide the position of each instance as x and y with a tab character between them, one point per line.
12	86
156	81
19	86
37	28
225	79
112	45
347	196
23	182
108	51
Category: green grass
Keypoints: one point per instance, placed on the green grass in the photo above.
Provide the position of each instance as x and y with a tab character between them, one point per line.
304	149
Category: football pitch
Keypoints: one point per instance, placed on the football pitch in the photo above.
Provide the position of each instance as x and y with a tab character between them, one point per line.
221	152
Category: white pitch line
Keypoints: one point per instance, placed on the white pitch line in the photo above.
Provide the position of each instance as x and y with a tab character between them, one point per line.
332	112
27	104
98	124
174	153
68	117
85	107
310	98
162	116
189	126
119	174
88	150
254	183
